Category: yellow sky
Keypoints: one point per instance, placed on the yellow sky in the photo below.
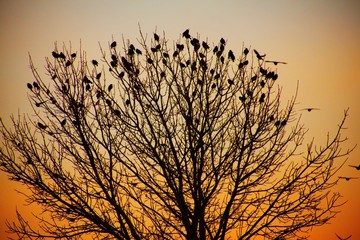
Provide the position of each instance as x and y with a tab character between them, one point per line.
319	39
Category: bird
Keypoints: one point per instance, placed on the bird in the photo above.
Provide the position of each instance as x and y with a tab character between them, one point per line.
231	55
55	54
29	86
205	45
113	44
63	122
343	238
73	55
41	126
356	167
309	109
186	34
246	51
348	178
258	55
94	62
222	41
110	87
138	51
275	62
156	37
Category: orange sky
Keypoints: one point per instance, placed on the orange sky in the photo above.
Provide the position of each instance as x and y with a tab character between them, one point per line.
319	39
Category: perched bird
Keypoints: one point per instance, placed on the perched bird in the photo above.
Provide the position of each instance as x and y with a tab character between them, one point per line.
230	81
262	98
156	37
73	55
246	51
180	47
29	86
348	178
41	126
356	167
231	55
98	76
63	122
343	238
127	102
186	34
276	62
110	87
205	45
216	48
309	109
260	57
222	41
94	62
55	54
138	51
113	44
62	55
117	112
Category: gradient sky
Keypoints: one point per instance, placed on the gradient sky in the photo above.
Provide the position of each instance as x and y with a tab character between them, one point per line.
319	39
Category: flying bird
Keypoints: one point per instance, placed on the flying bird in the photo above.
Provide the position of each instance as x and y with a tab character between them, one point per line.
275	62
343	238
309	109
356	167
258	55
348	178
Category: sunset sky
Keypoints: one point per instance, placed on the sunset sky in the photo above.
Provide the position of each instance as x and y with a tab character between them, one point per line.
320	41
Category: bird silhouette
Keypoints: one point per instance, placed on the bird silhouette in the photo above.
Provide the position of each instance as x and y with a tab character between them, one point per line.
138	51
113	44
246	51
230	81
110	87
216	48
275	62
63	122
356	167
98	76
258	55
127	102
309	109
262	98
231	55
73	55
117	112
222	41
55	54
343	238
180	47
205	45
41	126
29	86
186	34
94	62
156	37
62	55
347	178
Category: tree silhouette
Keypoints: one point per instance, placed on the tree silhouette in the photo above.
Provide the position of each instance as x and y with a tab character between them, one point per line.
183	142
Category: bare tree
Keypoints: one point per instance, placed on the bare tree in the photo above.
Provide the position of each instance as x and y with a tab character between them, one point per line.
177	141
